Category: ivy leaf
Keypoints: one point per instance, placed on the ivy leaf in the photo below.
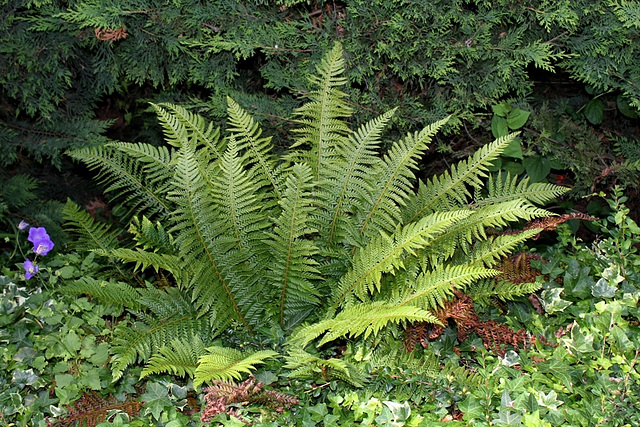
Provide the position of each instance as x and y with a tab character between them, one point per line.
472	408
602	289
508	418
549	400
594	111
624	343
395	414
579	342
156	398
23	378
552	301
558	369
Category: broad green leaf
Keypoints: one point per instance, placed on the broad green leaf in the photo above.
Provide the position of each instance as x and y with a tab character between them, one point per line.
625	108
594	111
537	168
517	118
499	126
501	109
514	149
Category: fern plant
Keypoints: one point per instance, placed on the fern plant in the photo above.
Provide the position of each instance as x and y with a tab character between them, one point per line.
332	239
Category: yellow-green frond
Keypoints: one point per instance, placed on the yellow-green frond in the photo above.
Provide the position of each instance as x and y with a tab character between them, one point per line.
223	363
362	319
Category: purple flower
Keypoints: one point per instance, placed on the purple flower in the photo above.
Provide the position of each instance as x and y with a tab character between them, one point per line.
23	224
30	269
42	244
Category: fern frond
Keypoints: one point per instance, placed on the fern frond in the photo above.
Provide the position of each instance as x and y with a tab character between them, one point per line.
247	133
236	200
222	363
433	288
89	234
145	259
181	126
347	177
361	319
462	235
170	316
151	236
179	358
117	294
489	251
484	290
450	189
207	245
503	188
292	269
307	366
386	254
380	211
321	119
139	174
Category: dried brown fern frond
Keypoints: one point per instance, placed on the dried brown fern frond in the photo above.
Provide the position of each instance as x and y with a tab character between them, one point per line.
221	394
550	223
91	409
517	268
495	336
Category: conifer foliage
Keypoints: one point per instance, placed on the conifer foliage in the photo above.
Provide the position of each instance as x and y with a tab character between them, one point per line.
332	239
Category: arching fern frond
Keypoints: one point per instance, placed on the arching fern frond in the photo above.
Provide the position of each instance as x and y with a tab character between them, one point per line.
321	119
361	319
503	188
117	294
307	366
89	234
155	249
208	246
386	254
247	133
489	251
181	126
223	363
170	314
347	178
178	358
380	211
138	174
235	197
483	291
450	189
462	235
433	288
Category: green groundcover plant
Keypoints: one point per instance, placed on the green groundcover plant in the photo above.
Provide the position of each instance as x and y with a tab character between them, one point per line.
56	348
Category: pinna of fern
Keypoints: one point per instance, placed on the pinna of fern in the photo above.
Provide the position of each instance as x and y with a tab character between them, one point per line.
325	234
